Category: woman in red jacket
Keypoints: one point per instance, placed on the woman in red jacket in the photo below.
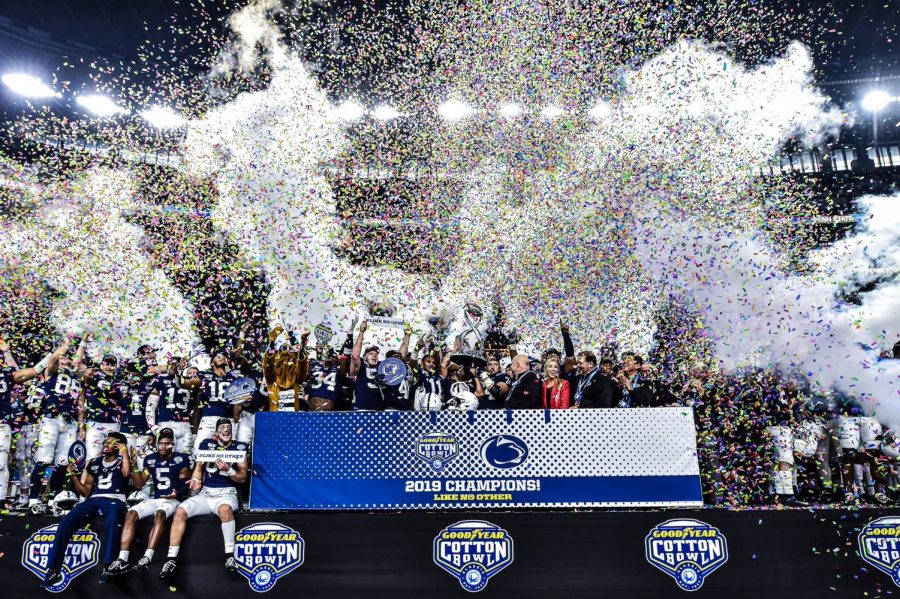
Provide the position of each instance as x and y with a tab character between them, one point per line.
556	390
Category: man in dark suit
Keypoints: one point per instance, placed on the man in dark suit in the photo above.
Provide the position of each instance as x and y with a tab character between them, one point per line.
593	389
525	390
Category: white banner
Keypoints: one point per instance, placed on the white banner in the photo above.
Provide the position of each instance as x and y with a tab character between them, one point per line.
385	321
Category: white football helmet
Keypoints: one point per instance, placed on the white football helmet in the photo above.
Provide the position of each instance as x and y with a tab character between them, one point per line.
461	398
63	503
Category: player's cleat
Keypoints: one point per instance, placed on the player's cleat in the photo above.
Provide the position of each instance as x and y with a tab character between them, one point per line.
51	578
143	564
849	498
882	498
230	564
37	509
168	570
792	501
117	568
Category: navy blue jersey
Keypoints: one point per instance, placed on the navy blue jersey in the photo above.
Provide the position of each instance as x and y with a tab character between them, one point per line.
396	397
165	473
488	402
174	401
323	381
108	479
6	385
30	408
61	393
366	393
212	393
212	476
102	398
132	409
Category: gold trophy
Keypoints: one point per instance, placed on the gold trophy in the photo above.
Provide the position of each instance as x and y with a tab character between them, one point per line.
285	371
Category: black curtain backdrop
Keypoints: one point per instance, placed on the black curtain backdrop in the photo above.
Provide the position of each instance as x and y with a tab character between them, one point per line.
798	553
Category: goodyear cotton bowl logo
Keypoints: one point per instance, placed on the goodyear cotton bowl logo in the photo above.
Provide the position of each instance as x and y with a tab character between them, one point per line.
879	544
504	451
473	551
81	554
436	449
687	550
265	552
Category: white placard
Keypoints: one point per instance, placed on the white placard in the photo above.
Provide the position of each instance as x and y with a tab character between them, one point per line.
385	321
229	457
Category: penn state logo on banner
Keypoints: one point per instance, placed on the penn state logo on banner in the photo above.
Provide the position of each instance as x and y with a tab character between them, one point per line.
267	551
437	449
879	545
82	554
687	550
504	451
78	454
473	551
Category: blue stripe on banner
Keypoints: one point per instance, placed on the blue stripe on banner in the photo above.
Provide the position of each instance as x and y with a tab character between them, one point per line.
392	493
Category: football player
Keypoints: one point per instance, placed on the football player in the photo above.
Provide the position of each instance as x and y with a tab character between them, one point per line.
867	465
811	447
217	482
496	385
104	483
213	383
98	413
364	367
846	437
171	402
430	390
167	470
135	390
324	381
57	428
780	400
10	375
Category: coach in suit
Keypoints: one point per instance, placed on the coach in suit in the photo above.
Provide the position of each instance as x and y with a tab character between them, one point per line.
592	388
525	391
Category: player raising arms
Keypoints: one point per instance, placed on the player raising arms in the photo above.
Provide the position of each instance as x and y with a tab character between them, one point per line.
172	401
11	375
168	470
217	482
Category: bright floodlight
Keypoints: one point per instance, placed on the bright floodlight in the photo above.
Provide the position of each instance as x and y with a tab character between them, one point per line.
28	86
350	111
385	113
551	112
876	100
600	111
454	110
510	111
163	118
100	105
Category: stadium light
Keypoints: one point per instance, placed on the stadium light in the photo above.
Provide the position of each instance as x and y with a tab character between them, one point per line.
350	111
551	112
163	118
600	111
28	86
511	110
385	112
875	101
454	110
100	106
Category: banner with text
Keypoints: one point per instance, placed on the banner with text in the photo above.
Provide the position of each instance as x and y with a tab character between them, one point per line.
482	459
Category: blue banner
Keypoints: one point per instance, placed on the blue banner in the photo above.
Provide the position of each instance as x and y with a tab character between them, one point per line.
483	459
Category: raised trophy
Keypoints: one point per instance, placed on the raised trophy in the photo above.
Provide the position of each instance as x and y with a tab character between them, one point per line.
285	368
469	343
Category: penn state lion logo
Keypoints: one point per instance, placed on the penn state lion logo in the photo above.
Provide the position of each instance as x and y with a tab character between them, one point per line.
473	551
879	545
82	554
687	550
265	552
437	449
504	451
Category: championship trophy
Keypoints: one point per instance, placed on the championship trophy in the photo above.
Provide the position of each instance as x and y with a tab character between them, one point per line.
468	343
284	367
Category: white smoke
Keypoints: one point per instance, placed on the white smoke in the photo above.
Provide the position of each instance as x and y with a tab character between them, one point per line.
266	150
79	242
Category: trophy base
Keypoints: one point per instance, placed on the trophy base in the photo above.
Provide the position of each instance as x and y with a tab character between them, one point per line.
468	358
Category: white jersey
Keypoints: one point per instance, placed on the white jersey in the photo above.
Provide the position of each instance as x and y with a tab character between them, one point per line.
847	432
807	436
869	431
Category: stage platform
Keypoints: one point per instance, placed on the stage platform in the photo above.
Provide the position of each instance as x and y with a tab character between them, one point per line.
759	554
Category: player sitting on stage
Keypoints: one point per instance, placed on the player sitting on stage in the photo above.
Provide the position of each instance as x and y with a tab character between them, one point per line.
217	482
104	483
168	470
